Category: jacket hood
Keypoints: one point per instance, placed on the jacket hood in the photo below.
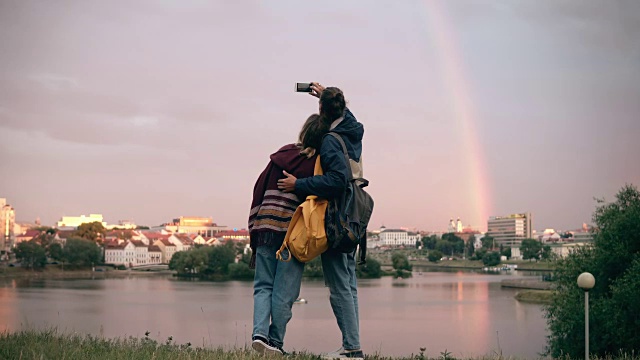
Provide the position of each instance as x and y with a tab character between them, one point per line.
350	128
288	158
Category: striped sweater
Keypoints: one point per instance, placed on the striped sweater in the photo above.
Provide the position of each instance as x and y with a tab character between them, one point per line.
272	209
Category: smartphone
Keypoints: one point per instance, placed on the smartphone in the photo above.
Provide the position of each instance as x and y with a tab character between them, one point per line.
303	87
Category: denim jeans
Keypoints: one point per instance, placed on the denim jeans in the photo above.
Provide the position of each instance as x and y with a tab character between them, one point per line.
340	276
276	286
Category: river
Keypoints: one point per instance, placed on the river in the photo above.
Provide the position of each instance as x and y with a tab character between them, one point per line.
465	313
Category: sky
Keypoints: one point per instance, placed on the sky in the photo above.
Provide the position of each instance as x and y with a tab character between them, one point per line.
151	110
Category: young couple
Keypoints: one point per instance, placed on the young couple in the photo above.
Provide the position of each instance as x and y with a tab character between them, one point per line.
282	186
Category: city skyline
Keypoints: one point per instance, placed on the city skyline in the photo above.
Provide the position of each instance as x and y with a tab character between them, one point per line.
128	223
146	110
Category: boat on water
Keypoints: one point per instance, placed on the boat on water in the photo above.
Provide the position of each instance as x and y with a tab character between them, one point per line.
300	301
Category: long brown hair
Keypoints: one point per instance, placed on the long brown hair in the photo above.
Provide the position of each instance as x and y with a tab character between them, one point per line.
311	134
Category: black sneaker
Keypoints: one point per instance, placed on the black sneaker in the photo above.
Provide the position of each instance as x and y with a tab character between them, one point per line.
279	348
263	346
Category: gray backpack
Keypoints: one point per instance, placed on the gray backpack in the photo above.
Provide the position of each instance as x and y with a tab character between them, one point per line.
348	215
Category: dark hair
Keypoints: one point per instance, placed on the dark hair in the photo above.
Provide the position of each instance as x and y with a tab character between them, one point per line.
332	104
312	132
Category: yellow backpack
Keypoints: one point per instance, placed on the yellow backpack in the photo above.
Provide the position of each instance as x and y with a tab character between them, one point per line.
306	238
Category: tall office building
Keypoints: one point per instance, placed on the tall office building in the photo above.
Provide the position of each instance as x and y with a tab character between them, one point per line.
7	223
510	230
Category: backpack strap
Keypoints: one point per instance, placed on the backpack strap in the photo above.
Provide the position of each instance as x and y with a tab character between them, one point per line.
362	182
344	151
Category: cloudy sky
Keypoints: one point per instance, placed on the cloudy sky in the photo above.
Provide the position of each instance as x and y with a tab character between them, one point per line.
148	110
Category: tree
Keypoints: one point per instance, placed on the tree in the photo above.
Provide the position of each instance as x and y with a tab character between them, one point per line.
488	242
193	261
46	237
531	249
80	252
434	256
614	260
429	242
93	231
54	251
546	253
507	252
470	246
400	262
178	262
241	271
219	258
479	254
491	258
31	255
456	243
369	270
444	247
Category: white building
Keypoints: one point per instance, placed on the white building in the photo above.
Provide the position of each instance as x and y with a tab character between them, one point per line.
373	241
131	253
72	222
166	248
563	250
123	253
398	237
155	255
182	242
114	254
141	253
123	224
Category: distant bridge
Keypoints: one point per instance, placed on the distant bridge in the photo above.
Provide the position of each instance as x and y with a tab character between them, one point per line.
151	267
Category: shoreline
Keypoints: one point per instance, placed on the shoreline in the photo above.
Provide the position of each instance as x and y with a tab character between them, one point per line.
15	274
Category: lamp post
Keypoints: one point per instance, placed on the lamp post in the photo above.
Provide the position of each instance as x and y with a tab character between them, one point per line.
586	281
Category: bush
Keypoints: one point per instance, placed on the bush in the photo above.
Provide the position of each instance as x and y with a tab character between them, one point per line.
435	256
491	259
241	271
370	270
313	268
479	254
614	260
400	261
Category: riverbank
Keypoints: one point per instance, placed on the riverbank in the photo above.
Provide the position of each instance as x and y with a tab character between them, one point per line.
534	296
56	272
478	265
531	284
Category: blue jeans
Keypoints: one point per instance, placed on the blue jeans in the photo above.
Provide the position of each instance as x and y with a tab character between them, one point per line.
276	286
340	276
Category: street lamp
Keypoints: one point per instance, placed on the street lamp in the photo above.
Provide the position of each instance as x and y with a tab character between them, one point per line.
586	282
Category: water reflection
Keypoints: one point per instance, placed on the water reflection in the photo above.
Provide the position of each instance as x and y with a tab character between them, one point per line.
467	313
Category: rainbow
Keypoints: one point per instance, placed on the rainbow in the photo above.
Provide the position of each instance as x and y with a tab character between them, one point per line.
459	90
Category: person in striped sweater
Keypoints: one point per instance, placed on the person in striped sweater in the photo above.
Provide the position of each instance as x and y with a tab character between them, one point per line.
277	284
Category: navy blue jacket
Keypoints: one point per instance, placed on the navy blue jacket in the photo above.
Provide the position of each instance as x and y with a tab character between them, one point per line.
336	169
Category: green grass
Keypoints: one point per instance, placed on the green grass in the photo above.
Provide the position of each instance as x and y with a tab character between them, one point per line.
533	265
470	264
50	344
